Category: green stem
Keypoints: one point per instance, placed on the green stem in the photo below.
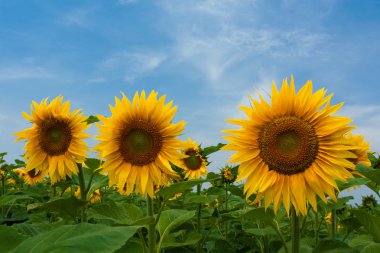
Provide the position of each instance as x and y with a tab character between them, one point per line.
226	208
152	227
83	194
295	223
3	184
317	225
333	224
143	242
277	228
199	209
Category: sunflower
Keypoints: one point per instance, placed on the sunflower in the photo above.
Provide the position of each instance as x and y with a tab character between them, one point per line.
291	149
54	142
34	177
360	148
227	174
93	198
193	165
138	141
369	201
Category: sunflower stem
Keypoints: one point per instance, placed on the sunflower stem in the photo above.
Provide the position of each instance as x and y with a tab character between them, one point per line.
333	224
275	225
295	221
152	227
83	193
316	228
3	184
226	208
199	244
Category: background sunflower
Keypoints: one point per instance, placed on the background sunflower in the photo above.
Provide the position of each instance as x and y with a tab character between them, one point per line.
54	143
194	165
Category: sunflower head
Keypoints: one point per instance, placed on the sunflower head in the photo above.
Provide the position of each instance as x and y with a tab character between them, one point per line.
138	141
369	201
33	176
291	148
228	175
54	143
193	164
360	148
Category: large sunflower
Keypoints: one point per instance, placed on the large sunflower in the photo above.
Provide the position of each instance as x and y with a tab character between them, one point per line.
54	142
291	149
138	141
193	165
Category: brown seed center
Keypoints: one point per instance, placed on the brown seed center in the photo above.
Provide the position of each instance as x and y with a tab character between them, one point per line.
140	142
194	161
288	145
32	173
55	136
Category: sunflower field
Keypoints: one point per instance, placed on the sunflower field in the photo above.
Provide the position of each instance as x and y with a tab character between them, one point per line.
143	189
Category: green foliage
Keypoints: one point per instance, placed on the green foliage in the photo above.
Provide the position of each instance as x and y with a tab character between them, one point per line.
92	119
168	222
10	238
119	213
78	238
370	222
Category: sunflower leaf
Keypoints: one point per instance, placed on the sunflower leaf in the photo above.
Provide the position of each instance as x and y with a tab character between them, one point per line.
12	238
370	222
79	238
212	149
169	220
122	214
369	172
168	192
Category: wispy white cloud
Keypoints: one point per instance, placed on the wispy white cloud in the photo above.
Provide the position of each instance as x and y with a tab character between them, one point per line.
77	17
124	2
129	65
229	54
24	72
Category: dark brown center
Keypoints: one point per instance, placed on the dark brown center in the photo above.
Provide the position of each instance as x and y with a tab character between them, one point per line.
55	136
140	142
32	173
194	161
288	145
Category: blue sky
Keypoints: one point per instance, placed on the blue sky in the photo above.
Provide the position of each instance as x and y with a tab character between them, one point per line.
205	55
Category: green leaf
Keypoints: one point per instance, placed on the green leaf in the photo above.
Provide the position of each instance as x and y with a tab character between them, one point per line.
371	173
91	119
370	222
78	238
92	163
169	220
11	199
360	241
123	213
352	182
261	231
212	149
181	239
10	238
67	206
200	199
351	224
333	246
132	246
173	189
260	214
372	248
